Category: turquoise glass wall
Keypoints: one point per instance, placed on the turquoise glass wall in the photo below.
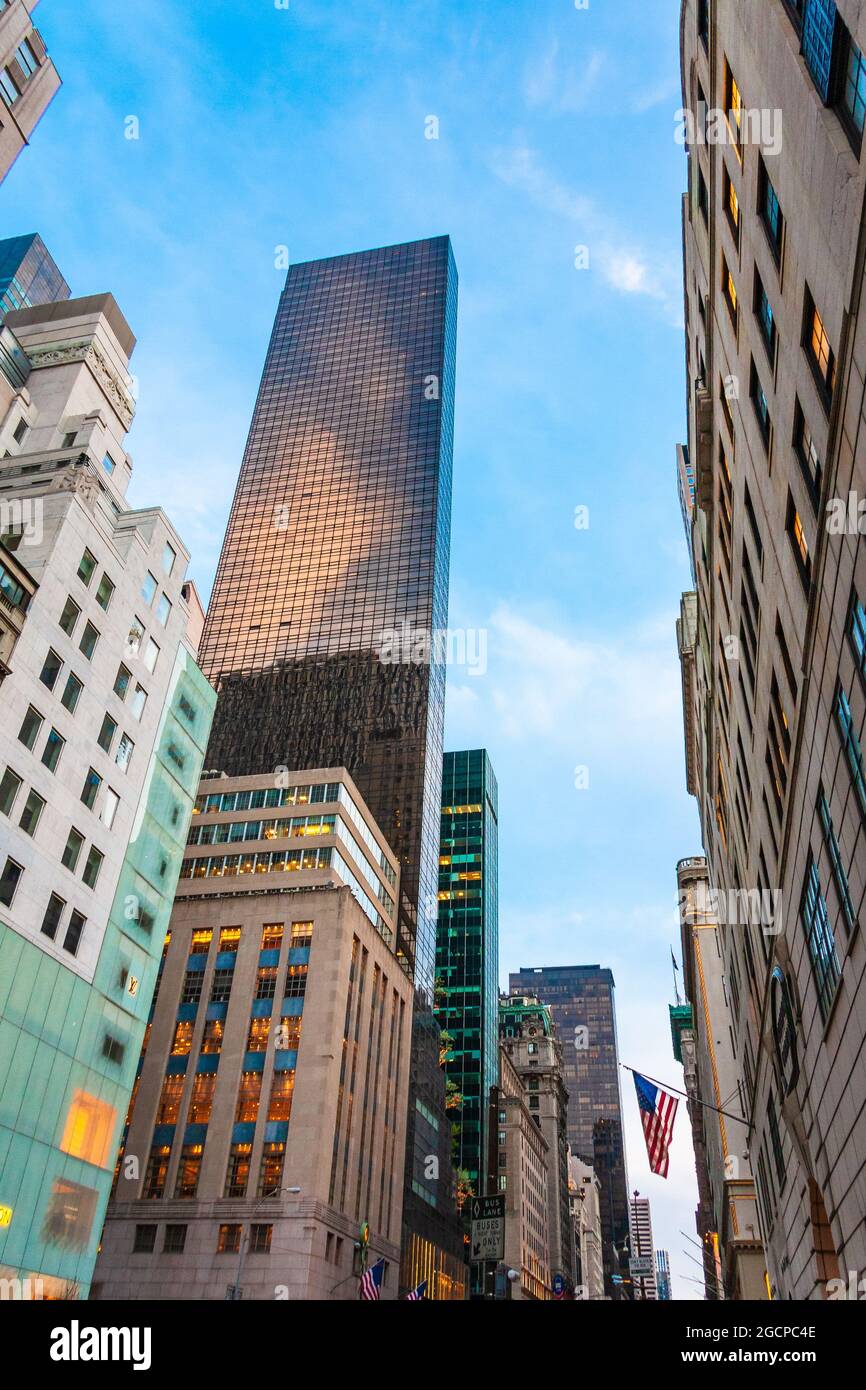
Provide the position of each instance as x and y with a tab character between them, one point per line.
69	1049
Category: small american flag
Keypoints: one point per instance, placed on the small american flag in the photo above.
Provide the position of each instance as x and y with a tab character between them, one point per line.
371	1281
657	1112
417	1293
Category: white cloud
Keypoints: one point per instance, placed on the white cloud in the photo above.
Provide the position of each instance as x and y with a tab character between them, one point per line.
565	90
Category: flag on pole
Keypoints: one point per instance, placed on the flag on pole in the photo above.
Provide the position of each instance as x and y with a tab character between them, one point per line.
371	1281
417	1293
674	960
657	1112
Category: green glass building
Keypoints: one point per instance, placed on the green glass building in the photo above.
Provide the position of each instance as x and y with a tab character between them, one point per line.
467	954
72	1046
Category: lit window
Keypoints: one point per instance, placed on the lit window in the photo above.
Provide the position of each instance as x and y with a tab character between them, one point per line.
818	350
89	1129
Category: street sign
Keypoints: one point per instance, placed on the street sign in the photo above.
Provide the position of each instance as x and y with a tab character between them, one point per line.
640	1269
487	1231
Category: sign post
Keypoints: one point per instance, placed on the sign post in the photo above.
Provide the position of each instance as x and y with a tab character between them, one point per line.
487	1229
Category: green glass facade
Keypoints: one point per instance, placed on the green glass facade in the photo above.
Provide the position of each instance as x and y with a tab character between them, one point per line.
467	954
73	1046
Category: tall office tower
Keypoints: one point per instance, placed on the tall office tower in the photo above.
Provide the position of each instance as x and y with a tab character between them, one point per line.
331	586
523	1171
467	954
28	274
105	719
28	79
641	1248
270	1113
581	1002
528	1037
774	226
663	1277
726	1220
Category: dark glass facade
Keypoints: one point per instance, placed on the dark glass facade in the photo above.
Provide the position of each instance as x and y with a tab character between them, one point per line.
338	539
28	274
581	1000
467	954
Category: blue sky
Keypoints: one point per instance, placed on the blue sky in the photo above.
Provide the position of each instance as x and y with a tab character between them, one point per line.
304	126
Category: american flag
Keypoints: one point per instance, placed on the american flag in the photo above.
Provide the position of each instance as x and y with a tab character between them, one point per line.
371	1281
417	1293
657	1112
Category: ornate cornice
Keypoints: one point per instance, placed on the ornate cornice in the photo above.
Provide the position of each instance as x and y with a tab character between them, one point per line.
87	351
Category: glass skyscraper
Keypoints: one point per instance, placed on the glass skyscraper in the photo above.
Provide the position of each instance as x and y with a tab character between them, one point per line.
28	274
331	586
467	954
581	1000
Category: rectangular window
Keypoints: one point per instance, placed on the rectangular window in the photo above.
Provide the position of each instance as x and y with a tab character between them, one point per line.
182	1041
50	669
169	555
104	592
169	1100
9	881
766	318
820	940
851	746
175	1240
89	639
163	609
201	940
156	1172
852	102
272	936
703	197
271	1172
249	1094
762	409
282	1088
266	982
10	785
770	211
92	865
144	1241
69	617
72	692
819	32
189	1170
816	345
74	933
734	109
148	588
121	681
807	454
109	808
86	568
729	290
238	1174
776	1140
74	845
222	986
54	746
257	1038
229	1239
799	544
53	916
138	702
839	875
90	790
732	205
296	981
201	1099
191	991
212	1039
260	1239
33	808
30	727
106	733
857	633
229	938
125	750
151	655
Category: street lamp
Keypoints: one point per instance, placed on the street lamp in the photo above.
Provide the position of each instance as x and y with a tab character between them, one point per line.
236	1293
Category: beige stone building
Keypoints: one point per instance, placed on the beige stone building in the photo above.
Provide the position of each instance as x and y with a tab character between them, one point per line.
523	1159
269	1121
726	1219
584	1198
774	100
28	79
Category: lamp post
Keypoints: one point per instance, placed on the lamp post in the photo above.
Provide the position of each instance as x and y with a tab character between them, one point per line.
237	1292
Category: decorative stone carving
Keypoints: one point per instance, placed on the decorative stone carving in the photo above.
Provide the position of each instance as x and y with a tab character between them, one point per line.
87	351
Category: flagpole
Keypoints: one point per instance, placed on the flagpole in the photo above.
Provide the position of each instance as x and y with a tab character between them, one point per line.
705	1103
